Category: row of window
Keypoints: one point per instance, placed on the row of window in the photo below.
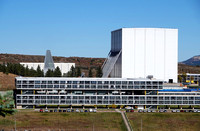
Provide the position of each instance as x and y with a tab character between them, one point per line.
89	86
93	82
103	102
172	98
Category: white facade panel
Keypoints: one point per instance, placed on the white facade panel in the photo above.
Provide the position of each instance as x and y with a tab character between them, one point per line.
128	53
139	52
159	54
148	51
149	68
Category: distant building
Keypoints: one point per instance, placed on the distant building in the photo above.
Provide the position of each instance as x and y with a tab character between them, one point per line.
140	52
49	64
192	78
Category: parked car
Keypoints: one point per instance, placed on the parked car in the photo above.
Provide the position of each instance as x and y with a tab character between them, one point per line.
51	111
81	110
195	110
161	111
140	111
177	110
198	111
190	110
94	110
68	110
186	110
46	110
77	110
85	110
132	110
148	111
59	110
153	111
144	111
41	110
64	110
182	110
127	110
90	110
55	110
173	111
72	110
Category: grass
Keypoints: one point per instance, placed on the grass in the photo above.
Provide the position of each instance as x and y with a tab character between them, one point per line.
70	121
165	121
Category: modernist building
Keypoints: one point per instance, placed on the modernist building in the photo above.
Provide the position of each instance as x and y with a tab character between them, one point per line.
140	52
140	93
49	64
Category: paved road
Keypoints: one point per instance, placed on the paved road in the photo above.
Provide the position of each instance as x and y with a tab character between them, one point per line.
125	120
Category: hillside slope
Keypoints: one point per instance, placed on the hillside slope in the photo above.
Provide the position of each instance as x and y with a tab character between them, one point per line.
7	81
194	61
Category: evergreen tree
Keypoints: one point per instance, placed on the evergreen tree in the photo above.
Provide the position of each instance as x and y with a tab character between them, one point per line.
57	72
27	71
99	72
78	72
4	68
49	73
39	72
90	73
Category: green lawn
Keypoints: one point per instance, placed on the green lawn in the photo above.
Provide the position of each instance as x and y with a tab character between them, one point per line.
71	121
165	121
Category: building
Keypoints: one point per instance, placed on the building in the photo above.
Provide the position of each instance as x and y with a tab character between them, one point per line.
64	67
139	93
49	64
192	78
140	52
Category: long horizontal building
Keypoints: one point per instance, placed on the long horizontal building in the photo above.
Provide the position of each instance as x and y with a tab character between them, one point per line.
139	93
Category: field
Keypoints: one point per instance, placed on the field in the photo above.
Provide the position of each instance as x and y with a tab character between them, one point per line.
165	121
70	121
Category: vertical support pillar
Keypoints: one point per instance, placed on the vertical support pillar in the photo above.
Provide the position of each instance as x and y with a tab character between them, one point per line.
21	92
144	107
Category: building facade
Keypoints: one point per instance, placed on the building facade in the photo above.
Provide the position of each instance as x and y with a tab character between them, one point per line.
140	52
192	78
139	93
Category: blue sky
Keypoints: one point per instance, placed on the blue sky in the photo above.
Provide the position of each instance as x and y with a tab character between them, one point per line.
82	27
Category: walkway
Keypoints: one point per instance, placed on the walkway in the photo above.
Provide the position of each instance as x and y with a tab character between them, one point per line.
125	119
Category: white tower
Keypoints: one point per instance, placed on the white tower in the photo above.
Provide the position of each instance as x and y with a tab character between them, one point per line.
139	52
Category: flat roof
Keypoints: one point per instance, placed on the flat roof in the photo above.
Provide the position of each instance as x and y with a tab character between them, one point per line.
85	78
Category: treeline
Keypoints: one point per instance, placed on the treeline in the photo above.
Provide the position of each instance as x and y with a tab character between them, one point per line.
20	70
76	72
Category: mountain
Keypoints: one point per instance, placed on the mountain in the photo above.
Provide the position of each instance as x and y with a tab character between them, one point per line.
194	61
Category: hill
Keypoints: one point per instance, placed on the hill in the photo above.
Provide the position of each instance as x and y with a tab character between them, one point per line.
7	81
82	62
194	61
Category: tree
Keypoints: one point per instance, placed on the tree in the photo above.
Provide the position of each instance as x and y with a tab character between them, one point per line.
184	76
90	73
78	72
49	73
180	78
39	72
99	72
57	72
6	104
72	72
